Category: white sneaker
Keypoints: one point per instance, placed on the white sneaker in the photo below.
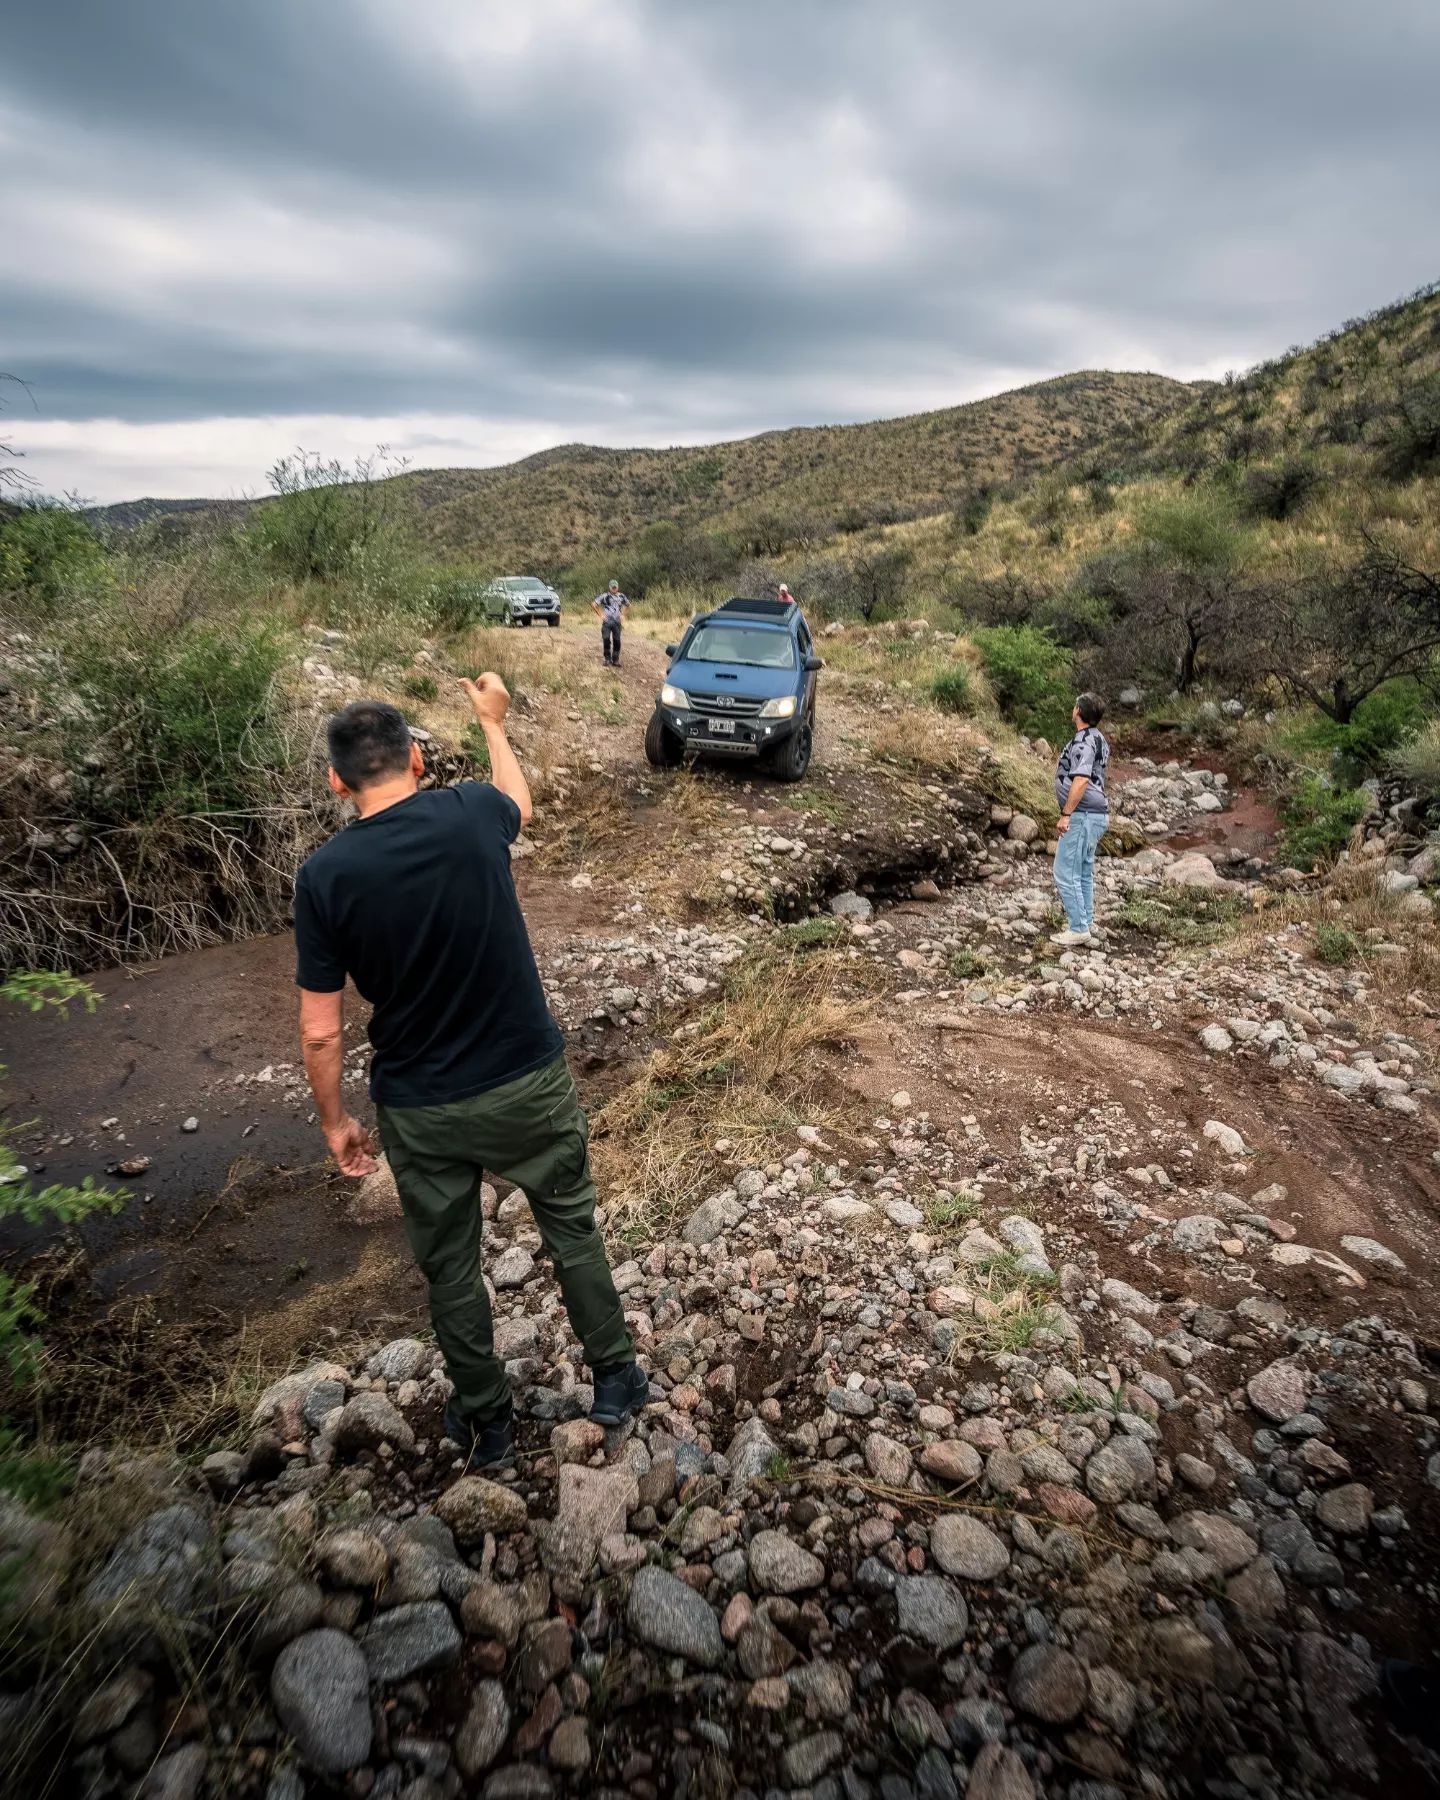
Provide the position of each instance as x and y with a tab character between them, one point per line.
1071	940
1098	932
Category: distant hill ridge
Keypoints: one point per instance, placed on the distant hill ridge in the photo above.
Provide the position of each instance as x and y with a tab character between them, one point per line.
550	508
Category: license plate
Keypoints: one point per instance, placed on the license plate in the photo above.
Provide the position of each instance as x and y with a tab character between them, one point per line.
724	727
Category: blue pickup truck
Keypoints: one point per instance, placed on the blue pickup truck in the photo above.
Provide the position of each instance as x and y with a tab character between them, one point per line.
741	683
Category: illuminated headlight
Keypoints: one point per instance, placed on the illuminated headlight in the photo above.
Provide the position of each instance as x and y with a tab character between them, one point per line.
673	696
783	708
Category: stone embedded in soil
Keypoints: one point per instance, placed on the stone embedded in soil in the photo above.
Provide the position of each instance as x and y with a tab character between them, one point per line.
1048	1683
666	1614
472	1506
1257	1589
320	1687
569	1746
353	1558
368	1421
887	1460
963	1546
483	1730
161	1563
999	1774
778	1565
408	1639
517	1781
1347	1510
932	1610
491	1611
402	1359
805	1761
1369	1251
1221	1539
951	1461
713	1216
590	1506
1333	1681
1109	1476
1278	1391
1224	1137
513	1268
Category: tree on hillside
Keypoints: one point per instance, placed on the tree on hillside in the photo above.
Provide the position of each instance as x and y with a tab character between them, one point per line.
1335	639
1183	586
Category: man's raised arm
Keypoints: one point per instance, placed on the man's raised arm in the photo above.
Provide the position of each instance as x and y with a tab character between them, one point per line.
490	701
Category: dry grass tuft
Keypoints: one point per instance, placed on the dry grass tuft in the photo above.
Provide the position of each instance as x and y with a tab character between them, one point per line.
744	1069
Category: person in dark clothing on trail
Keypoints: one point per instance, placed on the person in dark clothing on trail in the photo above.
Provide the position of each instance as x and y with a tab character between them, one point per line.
1084	817
414	901
611	607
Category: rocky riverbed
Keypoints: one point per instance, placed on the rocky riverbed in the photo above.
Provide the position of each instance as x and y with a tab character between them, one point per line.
1053	1413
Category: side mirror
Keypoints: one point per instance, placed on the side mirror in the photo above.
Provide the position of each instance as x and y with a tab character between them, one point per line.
670	650
812	663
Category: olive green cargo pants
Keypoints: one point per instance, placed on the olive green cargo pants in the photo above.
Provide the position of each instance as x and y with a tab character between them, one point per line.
533	1133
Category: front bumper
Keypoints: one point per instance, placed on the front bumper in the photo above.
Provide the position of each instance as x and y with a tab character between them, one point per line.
704	733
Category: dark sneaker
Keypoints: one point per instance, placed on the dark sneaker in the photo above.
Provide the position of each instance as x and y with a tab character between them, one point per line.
620	1390
484	1443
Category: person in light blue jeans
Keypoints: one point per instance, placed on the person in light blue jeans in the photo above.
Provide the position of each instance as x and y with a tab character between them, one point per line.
1080	781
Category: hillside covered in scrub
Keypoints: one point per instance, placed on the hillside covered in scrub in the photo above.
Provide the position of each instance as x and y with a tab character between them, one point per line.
544	512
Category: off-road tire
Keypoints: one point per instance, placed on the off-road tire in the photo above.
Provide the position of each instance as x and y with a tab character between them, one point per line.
553	620
663	750
792	759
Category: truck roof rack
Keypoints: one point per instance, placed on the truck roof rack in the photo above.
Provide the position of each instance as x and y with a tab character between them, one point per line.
758	609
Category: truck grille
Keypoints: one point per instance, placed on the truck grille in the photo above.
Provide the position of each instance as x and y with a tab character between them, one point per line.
725	706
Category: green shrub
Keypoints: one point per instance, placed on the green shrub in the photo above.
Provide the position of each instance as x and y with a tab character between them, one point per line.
328	522
1031	678
47	550
1319	818
421	687
181	717
1371	739
814	934
1195	529
1279	492
449	602
1335	944
1417	760
1180	915
967	965
953	689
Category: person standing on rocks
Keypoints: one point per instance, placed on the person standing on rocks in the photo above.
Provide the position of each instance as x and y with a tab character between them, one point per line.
414	901
1084	816
611	607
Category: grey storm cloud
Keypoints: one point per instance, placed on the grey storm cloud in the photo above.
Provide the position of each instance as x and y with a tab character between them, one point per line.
625	212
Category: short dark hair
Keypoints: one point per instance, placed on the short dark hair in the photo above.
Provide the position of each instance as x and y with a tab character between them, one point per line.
368	740
1090	707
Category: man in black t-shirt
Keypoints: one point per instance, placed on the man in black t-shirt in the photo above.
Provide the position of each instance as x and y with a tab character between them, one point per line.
414	901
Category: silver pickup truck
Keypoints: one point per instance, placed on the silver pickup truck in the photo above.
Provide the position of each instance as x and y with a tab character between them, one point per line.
521	600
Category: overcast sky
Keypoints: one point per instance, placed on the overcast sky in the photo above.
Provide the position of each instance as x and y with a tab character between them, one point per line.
470	230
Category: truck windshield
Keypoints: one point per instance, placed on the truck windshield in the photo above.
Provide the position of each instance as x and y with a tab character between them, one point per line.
753	646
